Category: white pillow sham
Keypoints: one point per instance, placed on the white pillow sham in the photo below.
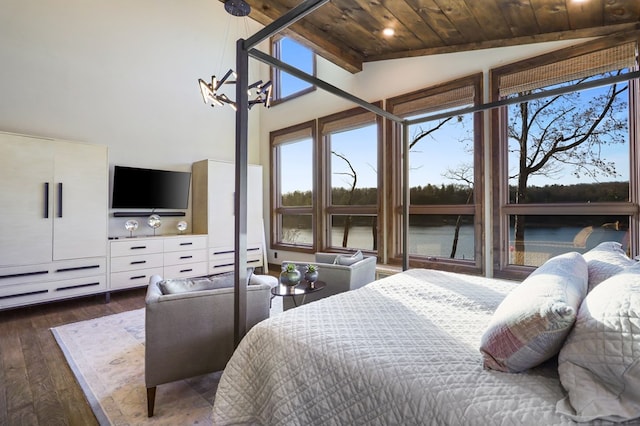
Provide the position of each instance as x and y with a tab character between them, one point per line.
599	364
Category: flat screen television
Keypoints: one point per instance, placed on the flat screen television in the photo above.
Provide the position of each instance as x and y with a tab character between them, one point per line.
135	188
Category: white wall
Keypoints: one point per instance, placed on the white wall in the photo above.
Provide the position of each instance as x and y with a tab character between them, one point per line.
124	74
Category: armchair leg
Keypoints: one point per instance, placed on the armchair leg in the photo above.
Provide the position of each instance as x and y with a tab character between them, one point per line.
151	400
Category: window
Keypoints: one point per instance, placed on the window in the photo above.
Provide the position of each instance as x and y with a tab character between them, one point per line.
295	54
565	181
350	142
293	182
444	176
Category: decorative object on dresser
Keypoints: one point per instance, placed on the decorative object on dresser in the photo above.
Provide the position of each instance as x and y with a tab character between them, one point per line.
213	213
131	225
181	226
154	222
54	216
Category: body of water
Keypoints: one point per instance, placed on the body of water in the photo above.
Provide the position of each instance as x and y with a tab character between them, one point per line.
540	243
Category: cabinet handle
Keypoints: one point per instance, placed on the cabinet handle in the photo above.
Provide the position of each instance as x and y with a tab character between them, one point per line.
186	244
71	287
46	200
253	249
223	252
59	199
24	274
223	265
186	257
31	293
137	277
138	247
77	268
138	262
186	270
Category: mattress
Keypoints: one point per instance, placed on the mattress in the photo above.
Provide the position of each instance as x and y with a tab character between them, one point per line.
400	351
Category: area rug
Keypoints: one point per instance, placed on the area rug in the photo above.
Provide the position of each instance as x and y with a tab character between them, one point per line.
107	357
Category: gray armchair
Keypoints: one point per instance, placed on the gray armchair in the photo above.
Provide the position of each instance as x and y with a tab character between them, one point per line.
192	333
338	278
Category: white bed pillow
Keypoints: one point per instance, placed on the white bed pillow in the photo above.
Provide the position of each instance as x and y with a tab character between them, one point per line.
604	261
599	365
531	323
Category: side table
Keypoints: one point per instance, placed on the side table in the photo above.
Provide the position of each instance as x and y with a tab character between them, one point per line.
301	289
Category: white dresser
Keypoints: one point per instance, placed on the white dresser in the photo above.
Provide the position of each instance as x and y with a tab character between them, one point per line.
134	260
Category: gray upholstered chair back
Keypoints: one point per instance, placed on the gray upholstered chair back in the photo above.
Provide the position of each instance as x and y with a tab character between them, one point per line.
192	333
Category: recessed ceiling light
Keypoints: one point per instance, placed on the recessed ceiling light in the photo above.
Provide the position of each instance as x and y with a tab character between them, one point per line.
388	32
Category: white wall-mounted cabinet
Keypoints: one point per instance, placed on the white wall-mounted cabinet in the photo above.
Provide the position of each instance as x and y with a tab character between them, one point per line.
213	184
53	212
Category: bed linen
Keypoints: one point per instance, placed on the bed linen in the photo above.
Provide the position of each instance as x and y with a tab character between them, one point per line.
403	350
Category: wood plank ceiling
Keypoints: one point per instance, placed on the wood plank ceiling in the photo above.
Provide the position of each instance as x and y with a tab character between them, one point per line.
349	32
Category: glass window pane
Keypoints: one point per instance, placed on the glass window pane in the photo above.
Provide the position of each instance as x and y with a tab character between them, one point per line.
444	236
296	229
441	161
542	237
570	148
357	232
296	173
298	56
354	162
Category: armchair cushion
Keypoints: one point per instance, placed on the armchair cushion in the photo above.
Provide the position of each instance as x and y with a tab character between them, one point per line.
182	285
346	260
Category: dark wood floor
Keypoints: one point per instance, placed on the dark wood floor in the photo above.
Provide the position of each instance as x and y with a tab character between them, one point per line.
36	385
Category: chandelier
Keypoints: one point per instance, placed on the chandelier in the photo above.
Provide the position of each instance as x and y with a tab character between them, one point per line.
210	91
212	97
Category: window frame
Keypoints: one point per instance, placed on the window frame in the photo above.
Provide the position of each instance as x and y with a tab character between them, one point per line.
276	74
502	207
393	151
277	138
341	121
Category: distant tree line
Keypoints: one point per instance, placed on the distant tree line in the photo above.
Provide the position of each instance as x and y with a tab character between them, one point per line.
459	194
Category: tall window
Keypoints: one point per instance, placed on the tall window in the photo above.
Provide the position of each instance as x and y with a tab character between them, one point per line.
444	175
565	184
350	142
293	182
295	54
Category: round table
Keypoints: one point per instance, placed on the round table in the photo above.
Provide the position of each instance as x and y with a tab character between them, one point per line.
301	289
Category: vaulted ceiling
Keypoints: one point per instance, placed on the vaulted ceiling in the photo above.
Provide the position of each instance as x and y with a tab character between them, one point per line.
350	32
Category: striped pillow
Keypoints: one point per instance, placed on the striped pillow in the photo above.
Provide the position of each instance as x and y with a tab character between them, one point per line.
532	322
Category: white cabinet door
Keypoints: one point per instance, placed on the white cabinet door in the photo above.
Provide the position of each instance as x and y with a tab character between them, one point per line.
81	201
221	203
26	205
254	205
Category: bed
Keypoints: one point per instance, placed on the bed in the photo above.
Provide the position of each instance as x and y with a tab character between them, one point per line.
403	350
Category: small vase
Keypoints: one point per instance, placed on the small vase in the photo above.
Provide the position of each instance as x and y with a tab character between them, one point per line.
290	278
311	277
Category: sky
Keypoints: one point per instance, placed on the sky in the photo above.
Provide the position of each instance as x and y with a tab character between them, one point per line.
430	158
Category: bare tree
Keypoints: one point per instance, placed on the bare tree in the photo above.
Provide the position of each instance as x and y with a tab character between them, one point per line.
464	173
562	130
354	181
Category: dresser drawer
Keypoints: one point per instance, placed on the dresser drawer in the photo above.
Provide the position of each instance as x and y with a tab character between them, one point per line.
134	262
131	279
60	270
182	257
185	271
185	243
136	247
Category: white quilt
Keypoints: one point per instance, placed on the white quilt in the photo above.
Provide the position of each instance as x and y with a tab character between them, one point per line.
399	351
